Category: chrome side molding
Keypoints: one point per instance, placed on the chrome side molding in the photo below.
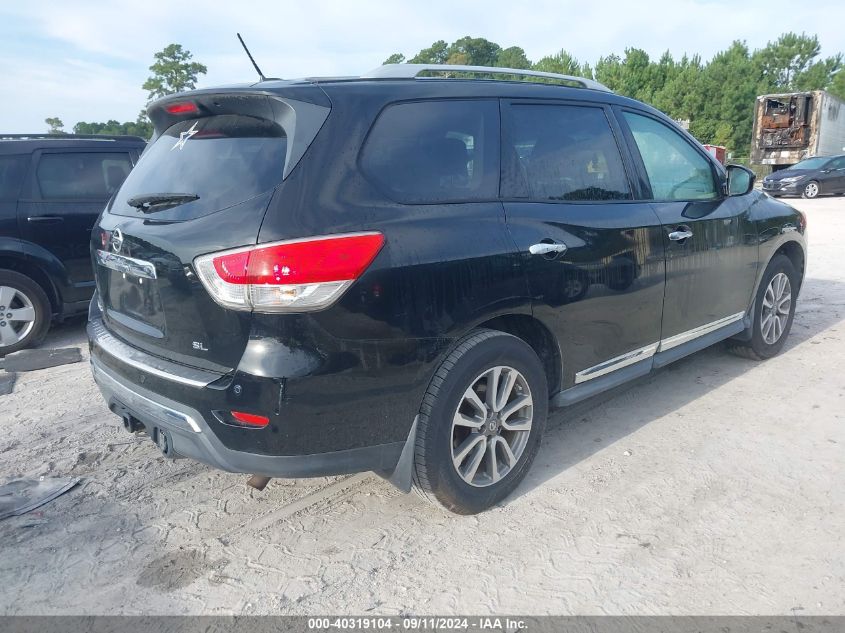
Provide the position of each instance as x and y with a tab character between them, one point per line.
643	353
683	337
616	363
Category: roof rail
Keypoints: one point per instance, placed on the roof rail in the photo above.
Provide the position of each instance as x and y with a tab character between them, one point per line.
69	137
412	71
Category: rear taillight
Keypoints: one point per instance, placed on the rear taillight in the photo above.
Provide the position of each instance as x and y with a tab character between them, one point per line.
292	276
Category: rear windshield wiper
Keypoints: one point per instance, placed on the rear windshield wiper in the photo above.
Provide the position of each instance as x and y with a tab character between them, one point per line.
152	202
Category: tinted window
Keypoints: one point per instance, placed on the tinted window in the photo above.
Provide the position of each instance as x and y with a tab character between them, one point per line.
72	175
811	163
566	153
433	151
837	163
222	159
675	169
11	172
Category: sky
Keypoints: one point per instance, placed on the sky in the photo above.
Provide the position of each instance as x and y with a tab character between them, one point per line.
85	60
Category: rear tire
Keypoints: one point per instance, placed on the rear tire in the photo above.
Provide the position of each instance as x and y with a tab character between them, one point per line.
480	422
30	312
774	309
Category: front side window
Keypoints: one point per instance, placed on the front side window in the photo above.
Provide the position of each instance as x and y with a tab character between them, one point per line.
675	169
565	152
81	175
435	151
837	163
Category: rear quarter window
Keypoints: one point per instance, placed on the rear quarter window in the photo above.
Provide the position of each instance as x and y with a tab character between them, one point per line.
11	173
435	151
81	175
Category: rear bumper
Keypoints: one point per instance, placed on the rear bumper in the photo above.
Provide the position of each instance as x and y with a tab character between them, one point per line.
190	436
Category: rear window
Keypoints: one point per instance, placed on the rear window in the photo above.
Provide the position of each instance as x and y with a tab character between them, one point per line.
224	160
435	151
81	175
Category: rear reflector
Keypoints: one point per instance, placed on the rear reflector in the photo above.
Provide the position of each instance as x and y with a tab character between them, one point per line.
250	418
183	107
291	276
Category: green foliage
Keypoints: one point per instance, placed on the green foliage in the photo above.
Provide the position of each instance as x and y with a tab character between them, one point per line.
396	58
173	71
563	63
437	53
55	125
837	85
141	128
513	57
789	63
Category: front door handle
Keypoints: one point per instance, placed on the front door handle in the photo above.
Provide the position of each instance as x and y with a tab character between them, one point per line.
546	248
677	236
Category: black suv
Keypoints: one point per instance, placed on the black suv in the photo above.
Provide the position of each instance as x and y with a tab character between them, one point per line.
402	274
52	188
809	178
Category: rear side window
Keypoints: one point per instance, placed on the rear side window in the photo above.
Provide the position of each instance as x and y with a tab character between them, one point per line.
223	159
435	151
675	169
564	152
11	172
81	175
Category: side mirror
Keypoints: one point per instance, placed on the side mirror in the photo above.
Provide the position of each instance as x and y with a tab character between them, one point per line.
740	180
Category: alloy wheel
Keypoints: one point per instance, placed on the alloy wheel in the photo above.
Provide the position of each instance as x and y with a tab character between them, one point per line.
17	316
491	426
811	190
777	302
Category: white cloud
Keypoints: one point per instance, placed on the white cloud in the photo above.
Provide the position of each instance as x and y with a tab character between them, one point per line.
113	42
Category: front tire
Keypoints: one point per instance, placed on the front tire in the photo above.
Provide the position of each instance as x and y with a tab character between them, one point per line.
24	312
774	309
480	422
811	190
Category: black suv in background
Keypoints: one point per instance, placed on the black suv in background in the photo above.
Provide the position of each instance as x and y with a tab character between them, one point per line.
402	274
52	188
810	178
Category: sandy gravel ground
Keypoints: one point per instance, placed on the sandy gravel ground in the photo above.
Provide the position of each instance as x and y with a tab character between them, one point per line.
715	486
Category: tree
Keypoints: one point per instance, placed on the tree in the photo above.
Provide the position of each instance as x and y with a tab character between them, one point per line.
563	63
437	53
789	63
55	124
512	57
173	71
144	129
473	51
396	58
837	84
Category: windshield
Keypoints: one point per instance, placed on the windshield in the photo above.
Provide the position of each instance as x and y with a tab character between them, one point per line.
212	163
811	163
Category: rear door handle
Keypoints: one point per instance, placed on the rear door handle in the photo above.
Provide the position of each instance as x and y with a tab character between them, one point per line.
546	248
45	219
677	236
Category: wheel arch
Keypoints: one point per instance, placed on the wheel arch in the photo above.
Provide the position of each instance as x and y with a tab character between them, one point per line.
795	252
36	273
538	337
